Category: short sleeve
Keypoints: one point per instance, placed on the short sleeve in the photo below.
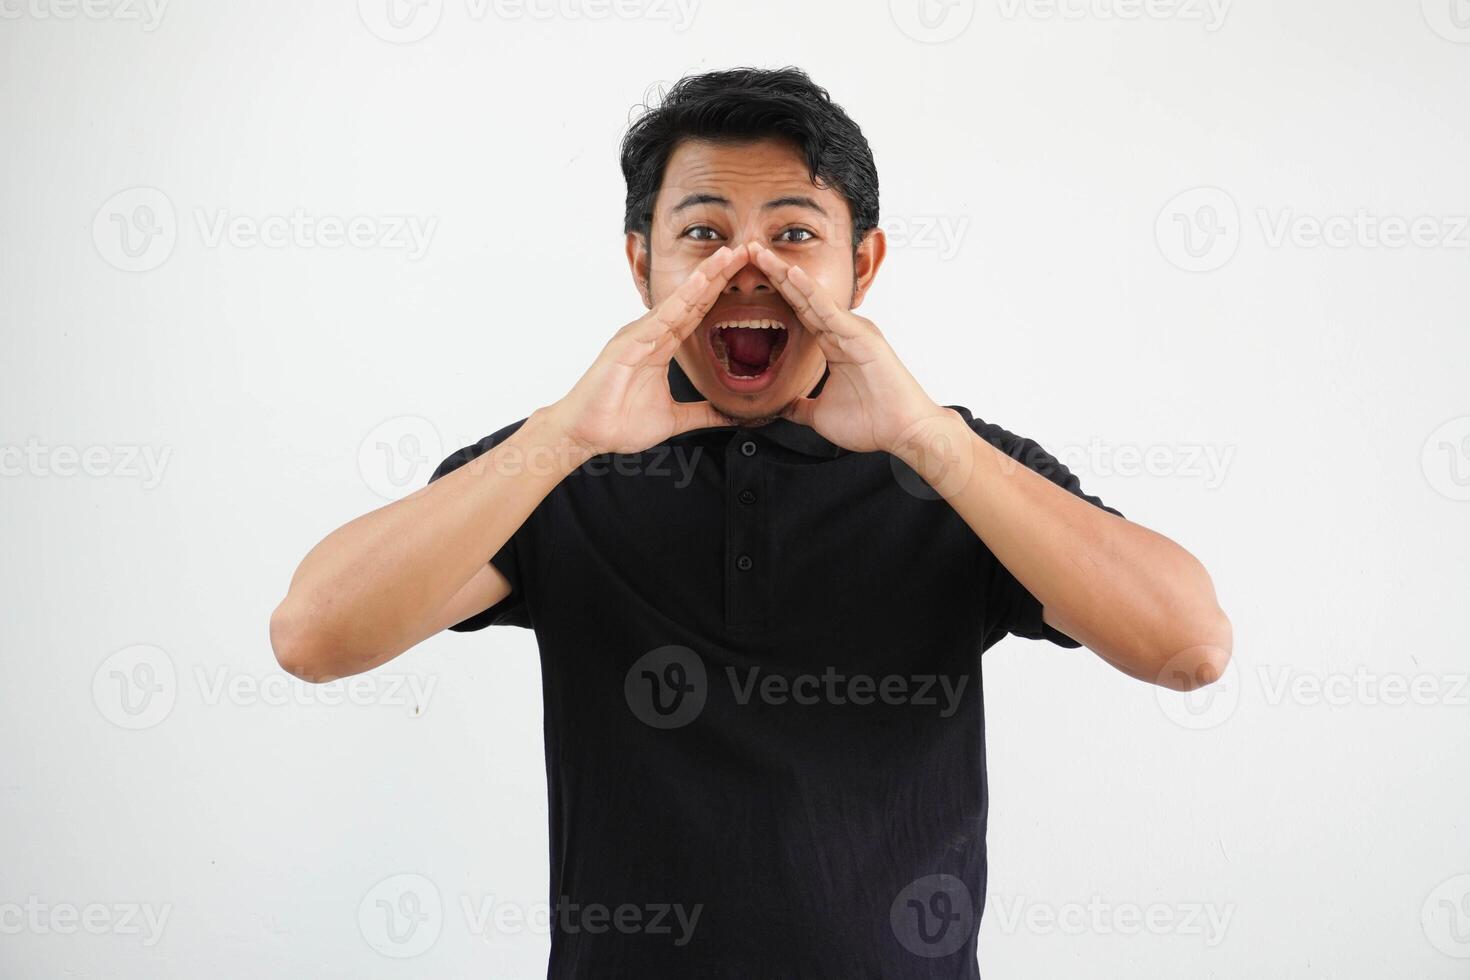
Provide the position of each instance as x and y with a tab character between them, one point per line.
1010	607
510	611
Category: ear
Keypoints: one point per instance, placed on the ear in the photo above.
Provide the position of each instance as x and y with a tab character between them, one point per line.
638	265
870	254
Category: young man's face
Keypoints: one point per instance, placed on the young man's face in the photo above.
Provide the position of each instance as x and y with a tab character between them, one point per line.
750	356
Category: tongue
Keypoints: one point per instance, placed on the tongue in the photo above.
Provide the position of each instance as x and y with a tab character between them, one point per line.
749	349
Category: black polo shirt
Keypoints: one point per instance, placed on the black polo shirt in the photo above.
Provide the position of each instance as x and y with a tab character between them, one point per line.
764	721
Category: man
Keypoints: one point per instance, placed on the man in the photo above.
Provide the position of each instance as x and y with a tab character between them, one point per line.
762	565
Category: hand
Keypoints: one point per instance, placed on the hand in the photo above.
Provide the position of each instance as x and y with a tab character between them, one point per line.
870	402
623	403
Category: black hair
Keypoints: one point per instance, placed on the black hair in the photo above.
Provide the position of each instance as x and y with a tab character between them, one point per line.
744	104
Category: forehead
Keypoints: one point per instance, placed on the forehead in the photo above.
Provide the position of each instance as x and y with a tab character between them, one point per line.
747	174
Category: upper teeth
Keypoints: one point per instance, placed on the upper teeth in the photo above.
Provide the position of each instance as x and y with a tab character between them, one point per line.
766	324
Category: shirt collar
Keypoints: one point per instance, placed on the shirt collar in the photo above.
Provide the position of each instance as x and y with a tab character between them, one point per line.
784	432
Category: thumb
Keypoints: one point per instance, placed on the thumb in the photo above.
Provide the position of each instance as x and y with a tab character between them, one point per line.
801	410
696	415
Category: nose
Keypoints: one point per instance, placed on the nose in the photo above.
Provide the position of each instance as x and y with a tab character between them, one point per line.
748	279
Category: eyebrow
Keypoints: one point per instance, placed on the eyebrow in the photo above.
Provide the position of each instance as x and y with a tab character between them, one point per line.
794	200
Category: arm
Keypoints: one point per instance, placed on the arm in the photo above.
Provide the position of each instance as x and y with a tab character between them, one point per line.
1131	595
389	579
1137	599
382	583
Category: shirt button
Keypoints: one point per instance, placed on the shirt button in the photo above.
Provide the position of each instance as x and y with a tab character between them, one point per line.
748	448
747	496
744	563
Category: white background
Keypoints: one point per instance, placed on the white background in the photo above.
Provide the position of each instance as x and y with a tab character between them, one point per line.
1032	161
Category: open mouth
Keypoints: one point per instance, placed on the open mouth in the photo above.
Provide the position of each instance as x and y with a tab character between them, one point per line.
748	348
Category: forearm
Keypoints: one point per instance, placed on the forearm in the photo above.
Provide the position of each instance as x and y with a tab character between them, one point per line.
373	588
1131	595
380	584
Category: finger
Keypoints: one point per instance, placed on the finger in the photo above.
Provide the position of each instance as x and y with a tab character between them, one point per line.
779	272
696	415
628	351
680	312
813	304
664	349
801	411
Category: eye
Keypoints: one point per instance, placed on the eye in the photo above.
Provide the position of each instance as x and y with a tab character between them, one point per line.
783	236
702	233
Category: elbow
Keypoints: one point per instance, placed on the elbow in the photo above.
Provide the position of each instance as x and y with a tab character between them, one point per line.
299	647
1202	659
